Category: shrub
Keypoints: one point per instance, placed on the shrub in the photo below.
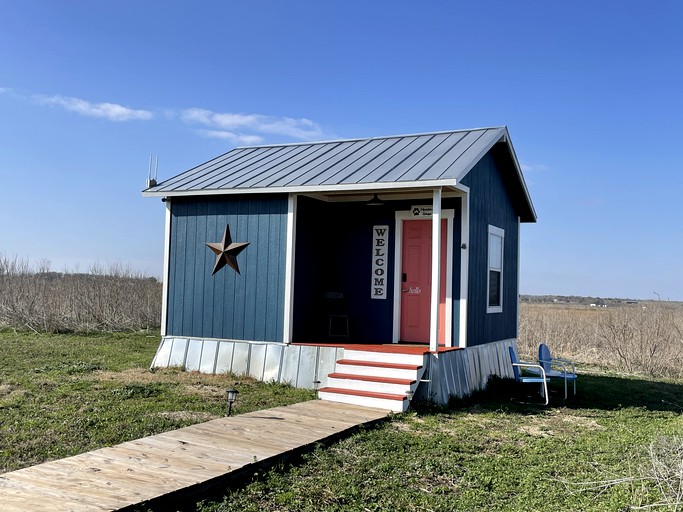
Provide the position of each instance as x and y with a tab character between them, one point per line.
114	298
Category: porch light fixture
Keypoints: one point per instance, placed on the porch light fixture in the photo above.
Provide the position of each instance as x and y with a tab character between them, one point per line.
375	201
232	396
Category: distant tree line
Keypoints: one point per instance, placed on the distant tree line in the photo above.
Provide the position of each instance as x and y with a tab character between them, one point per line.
111	298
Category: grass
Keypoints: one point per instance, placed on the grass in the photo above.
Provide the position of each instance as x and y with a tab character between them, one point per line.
500	450
488	453
61	395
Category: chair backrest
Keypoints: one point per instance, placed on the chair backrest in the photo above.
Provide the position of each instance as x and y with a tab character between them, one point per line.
544	356
513	359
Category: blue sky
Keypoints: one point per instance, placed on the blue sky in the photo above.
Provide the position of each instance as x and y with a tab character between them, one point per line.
592	93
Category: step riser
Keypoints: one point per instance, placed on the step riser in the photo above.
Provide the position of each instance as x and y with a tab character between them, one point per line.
379	403
384	357
377	387
372	371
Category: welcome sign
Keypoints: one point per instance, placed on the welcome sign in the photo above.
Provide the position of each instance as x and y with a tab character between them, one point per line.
380	236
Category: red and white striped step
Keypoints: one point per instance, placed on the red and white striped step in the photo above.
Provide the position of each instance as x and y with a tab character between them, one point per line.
376	379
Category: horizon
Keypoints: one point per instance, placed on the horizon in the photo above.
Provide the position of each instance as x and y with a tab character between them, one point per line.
588	92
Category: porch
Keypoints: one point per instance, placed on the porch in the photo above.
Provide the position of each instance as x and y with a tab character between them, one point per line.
380	270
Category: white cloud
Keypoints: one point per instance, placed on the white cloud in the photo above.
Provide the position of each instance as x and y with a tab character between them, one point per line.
253	124
232	137
109	111
4	89
533	167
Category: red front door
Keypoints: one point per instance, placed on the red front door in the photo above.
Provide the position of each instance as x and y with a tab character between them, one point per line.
416	277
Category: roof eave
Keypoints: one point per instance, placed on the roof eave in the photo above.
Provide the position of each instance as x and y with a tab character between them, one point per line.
303	189
504	136
532	211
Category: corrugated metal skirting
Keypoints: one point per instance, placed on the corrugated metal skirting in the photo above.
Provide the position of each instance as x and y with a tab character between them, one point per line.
298	365
455	373
462	372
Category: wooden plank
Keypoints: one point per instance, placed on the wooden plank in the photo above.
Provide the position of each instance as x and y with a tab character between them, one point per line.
229	456
16	495
158	452
209	438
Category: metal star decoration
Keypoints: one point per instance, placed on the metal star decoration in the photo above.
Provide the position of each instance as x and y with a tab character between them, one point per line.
226	251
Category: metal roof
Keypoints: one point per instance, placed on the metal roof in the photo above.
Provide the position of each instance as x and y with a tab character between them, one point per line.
378	163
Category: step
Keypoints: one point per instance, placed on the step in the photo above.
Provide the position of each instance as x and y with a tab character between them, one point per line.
372	383
378	369
384	357
389	401
386	380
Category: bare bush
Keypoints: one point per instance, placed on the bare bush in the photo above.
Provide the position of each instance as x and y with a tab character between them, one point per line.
659	474
643	339
110	298
666	469
636	339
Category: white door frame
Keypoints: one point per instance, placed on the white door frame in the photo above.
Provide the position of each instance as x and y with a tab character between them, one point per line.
398	261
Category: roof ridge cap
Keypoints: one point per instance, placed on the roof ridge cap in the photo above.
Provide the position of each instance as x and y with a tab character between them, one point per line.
356	139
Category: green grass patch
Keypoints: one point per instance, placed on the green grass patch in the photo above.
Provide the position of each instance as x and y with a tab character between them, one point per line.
500	450
61	395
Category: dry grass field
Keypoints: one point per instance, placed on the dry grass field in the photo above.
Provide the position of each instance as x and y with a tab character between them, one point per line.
644	338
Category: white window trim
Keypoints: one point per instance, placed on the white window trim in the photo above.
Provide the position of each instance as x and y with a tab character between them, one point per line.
493	230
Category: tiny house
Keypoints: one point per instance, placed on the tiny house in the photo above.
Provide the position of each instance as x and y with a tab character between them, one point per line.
375	268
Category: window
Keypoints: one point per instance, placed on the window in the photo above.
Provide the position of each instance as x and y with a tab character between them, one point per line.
495	280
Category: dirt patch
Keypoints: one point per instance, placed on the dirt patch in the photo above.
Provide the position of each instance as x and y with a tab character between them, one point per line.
580	421
10	395
189	416
167	375
203	390
558	422
536	431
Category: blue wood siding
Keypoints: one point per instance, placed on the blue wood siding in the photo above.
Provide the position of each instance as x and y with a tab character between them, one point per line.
249	306
490	203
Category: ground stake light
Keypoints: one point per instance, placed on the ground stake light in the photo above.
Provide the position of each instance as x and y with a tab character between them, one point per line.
232	396
316	387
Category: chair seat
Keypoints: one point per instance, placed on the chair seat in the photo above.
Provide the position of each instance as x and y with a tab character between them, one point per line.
532	379
553	373
561	375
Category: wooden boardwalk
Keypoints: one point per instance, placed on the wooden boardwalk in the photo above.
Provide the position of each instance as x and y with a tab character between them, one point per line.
179	462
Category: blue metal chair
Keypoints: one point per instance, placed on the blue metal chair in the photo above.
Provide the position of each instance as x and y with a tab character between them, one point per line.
556	368
539	378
